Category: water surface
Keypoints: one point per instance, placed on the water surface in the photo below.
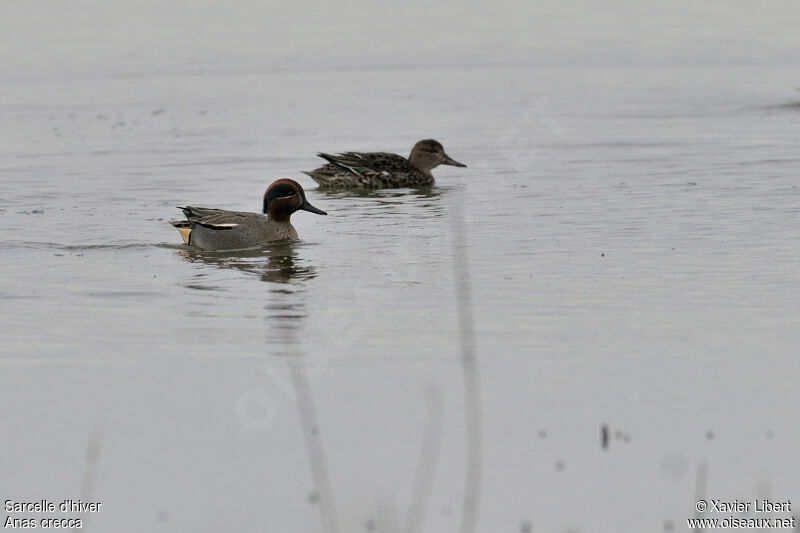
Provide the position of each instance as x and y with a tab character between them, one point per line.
629	211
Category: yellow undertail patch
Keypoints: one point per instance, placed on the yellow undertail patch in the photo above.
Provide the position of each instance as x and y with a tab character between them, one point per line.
185	234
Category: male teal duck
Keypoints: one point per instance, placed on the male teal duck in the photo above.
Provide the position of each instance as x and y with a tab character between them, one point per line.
217	229
381	170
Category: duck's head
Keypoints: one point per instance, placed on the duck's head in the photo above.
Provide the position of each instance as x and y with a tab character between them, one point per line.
283	198
429	154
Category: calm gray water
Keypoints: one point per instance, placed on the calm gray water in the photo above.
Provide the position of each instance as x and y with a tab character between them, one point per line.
630	208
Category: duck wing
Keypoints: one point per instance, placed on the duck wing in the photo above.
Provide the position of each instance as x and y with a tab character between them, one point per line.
361	163
214	218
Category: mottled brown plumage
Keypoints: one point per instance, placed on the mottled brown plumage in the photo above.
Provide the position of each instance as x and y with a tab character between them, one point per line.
382	170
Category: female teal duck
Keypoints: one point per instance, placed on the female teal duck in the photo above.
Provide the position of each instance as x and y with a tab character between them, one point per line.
380	170
217	229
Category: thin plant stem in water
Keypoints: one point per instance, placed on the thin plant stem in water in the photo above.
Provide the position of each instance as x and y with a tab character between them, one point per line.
470	372
316	454
90	471
426	465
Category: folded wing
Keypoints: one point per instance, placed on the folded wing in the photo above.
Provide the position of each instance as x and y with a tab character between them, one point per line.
213	218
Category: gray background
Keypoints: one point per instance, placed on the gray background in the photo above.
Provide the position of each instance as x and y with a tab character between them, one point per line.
631	214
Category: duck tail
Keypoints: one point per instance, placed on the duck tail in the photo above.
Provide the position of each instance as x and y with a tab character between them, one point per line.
328	157
184	227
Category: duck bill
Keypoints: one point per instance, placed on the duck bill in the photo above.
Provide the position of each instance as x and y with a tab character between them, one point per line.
452	162
311	209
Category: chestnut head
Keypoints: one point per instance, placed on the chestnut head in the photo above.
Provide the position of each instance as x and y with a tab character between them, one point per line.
283	198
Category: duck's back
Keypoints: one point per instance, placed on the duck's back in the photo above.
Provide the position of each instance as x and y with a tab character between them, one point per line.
368	170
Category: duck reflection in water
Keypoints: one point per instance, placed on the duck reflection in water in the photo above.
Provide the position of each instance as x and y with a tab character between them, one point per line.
284	271
418	203
276	263
415	193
